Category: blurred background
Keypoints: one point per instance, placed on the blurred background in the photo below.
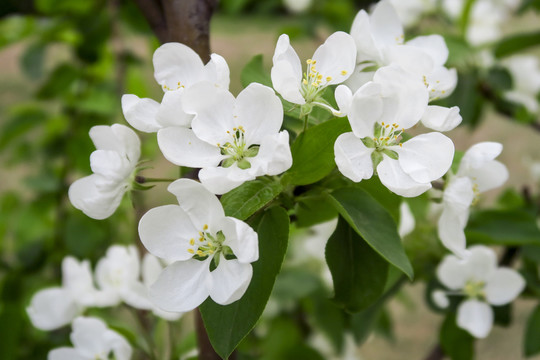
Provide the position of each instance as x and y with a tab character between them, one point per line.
64	66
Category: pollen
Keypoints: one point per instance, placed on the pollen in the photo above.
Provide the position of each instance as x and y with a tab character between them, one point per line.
309	61
191	251
205	227
343	72
305	82
328	78
192	242
200	253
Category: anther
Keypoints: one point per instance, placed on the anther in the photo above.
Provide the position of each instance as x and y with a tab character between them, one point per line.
343	72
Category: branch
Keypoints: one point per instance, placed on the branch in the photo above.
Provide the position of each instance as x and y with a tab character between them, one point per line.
436	353
153	13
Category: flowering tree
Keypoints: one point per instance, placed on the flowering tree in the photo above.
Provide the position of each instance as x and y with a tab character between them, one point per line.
297	200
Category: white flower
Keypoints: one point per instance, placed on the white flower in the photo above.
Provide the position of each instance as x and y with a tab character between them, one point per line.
55	307
176	68
113	164
117	274
331	64
379	112
483	283
209	254
232	140
478	172
409	11
297	6
406	220
151	268
93	340
525	73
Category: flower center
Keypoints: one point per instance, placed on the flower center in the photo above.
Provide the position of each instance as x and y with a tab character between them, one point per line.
314	82
207	244
387	135
178	86
475	289
237	150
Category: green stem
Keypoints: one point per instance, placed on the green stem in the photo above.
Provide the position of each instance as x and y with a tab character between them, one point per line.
142	179
306	117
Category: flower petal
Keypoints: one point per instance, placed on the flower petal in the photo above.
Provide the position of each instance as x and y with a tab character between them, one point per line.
399	182
166	231
385	25
177	65
440	299
182	147
85	195
426	157
111	165
434	45
259	111
441	118
200	205
336	58
353	158
489	176
140	113
450	230
477	155
441	82
344	96
241	238
274	155
118	344
476	317
366	108
503	286
52	308
452	272
218	71
458	196
366	48
182	286
136	296
481	262
171	112
286	71
87	336
220	180
230	281
406	220
117	138
65	353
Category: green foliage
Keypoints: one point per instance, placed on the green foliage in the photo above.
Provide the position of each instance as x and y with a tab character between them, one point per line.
245	200
374	224
532	333
359	273
457	343
516	43
228	325
254	72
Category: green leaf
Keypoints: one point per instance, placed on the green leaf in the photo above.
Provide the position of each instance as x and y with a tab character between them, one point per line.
251	196
358	272
374	224
11	325
254	72
313	152
24	119
228	325
532	333
516	43
32	61
503	227
59	82
457	343
314	210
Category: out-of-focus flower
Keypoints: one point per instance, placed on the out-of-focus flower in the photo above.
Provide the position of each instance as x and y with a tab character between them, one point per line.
478	172
199	242
297	6
232	140
113	164
410	11
525	73
331	64
483	283
406	220
93	340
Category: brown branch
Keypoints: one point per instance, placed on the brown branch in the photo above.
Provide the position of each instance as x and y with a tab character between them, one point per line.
153	13
206	351
436	353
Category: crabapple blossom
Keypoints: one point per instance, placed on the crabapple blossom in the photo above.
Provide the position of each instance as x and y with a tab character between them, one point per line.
113	163
55	307
331	64
525	72
379	113
93	340
477	172
209	254
232	140
482	282
176	68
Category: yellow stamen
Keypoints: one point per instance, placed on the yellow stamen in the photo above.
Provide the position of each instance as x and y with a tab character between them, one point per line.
328	78
343	72
191	251
192	242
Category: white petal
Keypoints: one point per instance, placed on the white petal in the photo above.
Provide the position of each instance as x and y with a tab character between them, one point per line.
274	155
140	113
353	158
241	238
441	82
359	78
476	317
336	58
230	281
452	272
171	112
150	269
111	165
406	220
366	108
434	45
166	231
85	195
385	24
458	196
218	71
200	205
259	111
450	230
182	147
481	262
477	155
344	96
399	182
182	286
411	59
65	353
77	278
426	157
214	112
52	308
440	299
87	336
286	71
117	138
136	296
220	180
120	347
365	44
177	65
503	286
441	118
489	176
